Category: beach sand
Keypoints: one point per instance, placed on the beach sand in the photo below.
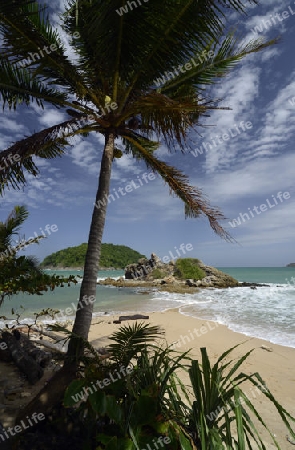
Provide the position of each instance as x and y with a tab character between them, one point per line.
275	364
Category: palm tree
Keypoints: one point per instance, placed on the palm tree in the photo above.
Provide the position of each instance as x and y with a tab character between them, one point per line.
109	88
21	273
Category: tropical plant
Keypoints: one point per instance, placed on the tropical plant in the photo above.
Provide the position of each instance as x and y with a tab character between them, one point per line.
22	273
131	407
222	416
151	402
109	89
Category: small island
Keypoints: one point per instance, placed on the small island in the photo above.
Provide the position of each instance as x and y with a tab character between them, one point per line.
290	265
112	257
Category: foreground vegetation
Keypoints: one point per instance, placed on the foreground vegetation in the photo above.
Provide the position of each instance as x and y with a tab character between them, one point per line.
133	398
117	256
20	273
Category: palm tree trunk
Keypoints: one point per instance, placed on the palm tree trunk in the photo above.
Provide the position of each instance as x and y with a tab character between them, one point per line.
52	392
89	283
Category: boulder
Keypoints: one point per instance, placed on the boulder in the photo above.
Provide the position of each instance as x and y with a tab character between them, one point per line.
170	279
192	283
149	269
216	278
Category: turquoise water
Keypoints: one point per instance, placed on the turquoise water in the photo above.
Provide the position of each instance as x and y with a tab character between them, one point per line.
267	312
278	275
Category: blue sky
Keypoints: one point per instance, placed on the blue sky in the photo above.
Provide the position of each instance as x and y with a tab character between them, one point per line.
237	173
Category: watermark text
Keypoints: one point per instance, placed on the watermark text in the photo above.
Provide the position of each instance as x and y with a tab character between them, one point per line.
276	199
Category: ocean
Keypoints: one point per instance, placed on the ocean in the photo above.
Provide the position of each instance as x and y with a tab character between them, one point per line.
266	312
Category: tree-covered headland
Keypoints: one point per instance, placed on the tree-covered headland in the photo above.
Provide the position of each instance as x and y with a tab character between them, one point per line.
117	256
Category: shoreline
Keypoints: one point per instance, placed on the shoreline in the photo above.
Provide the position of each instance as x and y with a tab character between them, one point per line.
61	269
109	317
113	315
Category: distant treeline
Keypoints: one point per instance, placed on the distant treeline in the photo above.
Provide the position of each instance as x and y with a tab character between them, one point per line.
118	256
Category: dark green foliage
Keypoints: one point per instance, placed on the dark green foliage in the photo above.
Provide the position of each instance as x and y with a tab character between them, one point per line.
132	411
188	268
123	350
22	273
118	256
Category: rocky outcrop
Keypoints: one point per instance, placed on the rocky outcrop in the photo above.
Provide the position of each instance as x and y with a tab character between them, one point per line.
149	269
252	285
154	269
213	281
153	272
215	278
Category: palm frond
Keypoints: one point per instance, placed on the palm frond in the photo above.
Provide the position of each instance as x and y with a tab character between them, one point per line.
18	86
16	218
142	45
149	145
47	143
27	32
167	117
226	56
11	226
192	197
129	340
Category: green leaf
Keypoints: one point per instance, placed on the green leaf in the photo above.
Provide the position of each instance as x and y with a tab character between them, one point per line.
113	409
184	442
239	421
98	401
75	389
145	410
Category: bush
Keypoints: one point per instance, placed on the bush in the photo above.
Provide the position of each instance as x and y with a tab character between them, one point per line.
157	273
188	268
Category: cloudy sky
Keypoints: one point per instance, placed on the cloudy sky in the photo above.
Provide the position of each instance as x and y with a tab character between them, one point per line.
243	160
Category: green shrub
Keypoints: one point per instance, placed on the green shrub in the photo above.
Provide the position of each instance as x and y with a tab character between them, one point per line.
157	273
188	268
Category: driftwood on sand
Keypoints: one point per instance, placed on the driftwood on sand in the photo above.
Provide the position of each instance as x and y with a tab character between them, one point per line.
22	359
133	317
60	345
31	356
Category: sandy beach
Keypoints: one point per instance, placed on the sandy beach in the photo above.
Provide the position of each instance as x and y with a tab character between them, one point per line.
275	364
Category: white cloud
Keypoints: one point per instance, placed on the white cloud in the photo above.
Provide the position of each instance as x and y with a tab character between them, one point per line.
273	226
50	117
273	126
8	125
85	155
239	92
259	179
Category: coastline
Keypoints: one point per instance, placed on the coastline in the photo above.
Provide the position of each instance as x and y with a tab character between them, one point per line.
80	269
275	363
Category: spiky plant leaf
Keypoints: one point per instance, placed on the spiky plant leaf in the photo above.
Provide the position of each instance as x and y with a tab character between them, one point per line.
129	340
